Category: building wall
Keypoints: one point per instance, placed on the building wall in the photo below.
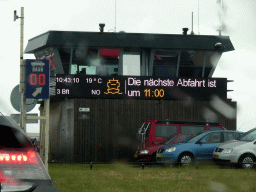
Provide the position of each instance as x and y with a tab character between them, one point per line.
110	132
62	131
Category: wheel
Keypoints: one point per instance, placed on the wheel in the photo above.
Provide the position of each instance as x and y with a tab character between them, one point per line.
185	159
247	162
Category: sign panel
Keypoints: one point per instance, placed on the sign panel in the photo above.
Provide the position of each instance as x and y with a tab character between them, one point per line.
139	87
37	79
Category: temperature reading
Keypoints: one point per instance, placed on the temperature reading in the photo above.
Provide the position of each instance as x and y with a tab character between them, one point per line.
37	79
89	80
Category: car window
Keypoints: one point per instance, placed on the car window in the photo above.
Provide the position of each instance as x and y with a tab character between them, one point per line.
212	128
148	127
169	139
212	138
165	130
181	138
249	136
12	138
230	136
195	137
191	129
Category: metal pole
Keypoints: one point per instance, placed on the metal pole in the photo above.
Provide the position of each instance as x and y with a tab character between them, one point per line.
47	116
22	75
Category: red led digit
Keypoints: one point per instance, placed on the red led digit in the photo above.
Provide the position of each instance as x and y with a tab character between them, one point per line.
33	79
41	79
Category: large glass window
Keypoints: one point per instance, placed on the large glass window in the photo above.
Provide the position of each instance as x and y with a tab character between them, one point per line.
165	130
94	61
131	64
165	63
191	129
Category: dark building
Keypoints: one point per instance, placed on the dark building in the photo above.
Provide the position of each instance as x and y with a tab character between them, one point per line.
100	130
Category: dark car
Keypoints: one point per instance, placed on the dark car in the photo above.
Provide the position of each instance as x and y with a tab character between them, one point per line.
21	168
35	143
148	154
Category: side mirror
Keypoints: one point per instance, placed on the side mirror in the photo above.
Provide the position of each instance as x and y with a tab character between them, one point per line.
202	141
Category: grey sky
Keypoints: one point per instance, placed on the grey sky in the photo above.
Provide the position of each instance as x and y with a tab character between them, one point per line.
139	16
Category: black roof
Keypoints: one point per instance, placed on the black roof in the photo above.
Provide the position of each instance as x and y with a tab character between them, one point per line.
129	40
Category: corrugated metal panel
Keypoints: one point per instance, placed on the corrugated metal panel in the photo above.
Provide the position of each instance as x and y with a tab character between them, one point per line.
110	131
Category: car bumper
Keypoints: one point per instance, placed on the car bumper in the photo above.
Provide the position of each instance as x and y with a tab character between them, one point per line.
166	158
226	157
142	158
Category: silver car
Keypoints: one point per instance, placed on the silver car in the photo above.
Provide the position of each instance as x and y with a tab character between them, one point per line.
241	151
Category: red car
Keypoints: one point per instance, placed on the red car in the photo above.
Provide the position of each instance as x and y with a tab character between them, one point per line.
148	154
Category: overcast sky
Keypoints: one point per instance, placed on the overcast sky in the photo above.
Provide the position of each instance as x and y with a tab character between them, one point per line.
140	16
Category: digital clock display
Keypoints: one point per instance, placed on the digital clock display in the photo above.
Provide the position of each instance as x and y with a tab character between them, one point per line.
139	87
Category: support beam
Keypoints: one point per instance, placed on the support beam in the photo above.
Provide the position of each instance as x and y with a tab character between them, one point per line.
178	65
151	62
203	72
71	59
121	63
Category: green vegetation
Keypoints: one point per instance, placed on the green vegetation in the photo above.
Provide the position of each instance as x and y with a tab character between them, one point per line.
120	177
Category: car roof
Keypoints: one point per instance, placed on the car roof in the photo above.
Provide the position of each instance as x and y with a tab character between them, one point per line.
9	122
207	131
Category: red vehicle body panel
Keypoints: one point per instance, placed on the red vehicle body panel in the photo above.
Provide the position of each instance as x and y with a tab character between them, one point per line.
153	135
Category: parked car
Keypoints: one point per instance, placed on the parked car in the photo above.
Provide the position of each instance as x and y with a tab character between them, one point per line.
199	147
241	151
153	132
35	143
148	154
21	168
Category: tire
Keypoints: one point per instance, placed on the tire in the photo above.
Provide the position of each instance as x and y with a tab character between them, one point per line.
185	159
247	162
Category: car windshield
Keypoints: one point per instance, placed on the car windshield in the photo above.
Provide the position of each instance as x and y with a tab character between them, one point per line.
169	139
249	136
194	137
183	138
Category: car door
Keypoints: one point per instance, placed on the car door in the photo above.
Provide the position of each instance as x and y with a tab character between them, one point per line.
207	144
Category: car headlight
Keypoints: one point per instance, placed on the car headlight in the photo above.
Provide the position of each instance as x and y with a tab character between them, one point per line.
144	152
228	150
171	149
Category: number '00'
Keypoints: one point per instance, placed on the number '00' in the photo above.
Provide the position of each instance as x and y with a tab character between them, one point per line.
37	79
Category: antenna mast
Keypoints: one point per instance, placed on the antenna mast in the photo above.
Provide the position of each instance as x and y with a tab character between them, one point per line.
198	18
115	15
192	32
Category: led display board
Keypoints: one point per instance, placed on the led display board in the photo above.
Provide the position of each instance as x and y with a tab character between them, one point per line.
139	87
37	79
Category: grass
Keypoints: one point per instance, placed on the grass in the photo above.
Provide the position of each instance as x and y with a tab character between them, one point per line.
121	177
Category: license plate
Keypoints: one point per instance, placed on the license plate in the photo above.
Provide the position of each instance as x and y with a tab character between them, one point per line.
158	155
216	156
135	155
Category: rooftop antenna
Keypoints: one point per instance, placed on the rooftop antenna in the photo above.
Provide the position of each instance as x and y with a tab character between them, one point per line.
192	32
115	20
198	18
221	17
115	15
